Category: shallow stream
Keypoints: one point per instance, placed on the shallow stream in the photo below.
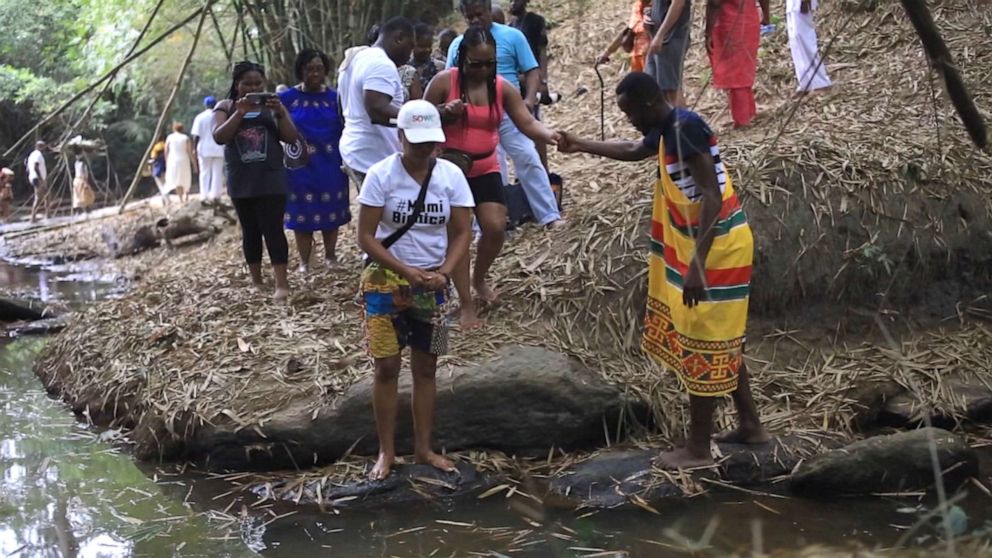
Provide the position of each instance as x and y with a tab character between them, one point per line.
71	490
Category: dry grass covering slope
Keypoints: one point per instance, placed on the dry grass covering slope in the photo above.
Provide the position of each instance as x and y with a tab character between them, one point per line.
194	345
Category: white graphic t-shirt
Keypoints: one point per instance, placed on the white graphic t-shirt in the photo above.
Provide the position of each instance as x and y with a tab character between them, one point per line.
388	185
363	143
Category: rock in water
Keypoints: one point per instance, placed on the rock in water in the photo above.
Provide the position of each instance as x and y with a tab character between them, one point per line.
894	463
525	401
623	478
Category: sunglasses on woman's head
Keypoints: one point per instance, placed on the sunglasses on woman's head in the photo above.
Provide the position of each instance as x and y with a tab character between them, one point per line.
479	64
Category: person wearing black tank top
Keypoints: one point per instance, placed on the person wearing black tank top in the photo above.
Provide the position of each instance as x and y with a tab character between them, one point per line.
250	124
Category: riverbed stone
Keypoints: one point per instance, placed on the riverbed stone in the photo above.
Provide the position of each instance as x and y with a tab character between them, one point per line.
966	399
628	478
407	483
524	401
46	326
892	463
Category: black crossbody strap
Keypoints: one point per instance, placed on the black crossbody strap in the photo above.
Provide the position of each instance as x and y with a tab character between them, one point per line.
418	208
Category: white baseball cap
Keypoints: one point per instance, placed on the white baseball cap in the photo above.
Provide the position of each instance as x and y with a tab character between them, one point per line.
420	122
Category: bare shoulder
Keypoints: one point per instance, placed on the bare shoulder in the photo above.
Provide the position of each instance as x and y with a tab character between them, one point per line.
224	106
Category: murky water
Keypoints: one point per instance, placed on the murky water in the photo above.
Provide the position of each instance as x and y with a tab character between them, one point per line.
68	490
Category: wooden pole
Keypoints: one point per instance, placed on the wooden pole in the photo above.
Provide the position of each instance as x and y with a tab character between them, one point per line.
940	57
100	81
204	12
110	80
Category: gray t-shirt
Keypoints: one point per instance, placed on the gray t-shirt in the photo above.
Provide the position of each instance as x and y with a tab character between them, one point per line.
659	9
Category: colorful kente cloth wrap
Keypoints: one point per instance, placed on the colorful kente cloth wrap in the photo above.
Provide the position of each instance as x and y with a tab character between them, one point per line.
397	316
702	345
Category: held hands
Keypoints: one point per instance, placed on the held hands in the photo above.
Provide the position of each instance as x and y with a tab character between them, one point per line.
567	143
694	287
426	279
603	59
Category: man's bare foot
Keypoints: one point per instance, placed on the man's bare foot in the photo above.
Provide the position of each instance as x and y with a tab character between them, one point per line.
469	318
436	461
486	293
281	294
681	458
383	466
744	435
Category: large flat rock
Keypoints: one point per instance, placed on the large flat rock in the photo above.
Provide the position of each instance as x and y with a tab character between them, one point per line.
524	402
893	463
617	479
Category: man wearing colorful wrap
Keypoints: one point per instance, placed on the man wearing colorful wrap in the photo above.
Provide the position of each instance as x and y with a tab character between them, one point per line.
699	265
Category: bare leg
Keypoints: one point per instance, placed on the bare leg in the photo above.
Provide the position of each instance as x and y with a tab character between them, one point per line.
282	282
765	12
384	405
330	245
424	366
696	452
469	317
304	246
34	207
255	270
492	221
749	429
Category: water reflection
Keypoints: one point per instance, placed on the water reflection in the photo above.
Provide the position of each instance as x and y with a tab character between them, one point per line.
64	493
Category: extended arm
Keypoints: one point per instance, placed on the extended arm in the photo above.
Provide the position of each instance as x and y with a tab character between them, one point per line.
618	150
605	57
522	118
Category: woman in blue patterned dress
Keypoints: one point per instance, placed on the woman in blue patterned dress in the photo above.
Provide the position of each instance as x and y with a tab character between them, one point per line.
318	192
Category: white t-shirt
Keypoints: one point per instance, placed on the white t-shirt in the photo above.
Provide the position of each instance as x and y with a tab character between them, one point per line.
364	144
39	158
388	185
203	129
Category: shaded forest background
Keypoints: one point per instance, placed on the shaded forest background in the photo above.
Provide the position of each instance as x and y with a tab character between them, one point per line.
51	51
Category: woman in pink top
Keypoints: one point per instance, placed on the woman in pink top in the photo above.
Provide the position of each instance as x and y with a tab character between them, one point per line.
472	99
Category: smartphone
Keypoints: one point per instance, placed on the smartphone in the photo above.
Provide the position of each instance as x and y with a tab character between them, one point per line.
260	98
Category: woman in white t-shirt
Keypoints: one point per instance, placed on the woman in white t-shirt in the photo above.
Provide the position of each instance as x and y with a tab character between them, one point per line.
405	286
179	163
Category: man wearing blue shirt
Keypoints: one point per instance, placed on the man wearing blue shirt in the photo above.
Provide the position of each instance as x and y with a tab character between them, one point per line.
514	57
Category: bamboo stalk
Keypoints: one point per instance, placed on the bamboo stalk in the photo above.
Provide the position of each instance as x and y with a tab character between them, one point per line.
204	11
98	82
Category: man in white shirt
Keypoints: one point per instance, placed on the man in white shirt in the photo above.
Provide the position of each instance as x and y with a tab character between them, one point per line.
38	177
371	97
209	155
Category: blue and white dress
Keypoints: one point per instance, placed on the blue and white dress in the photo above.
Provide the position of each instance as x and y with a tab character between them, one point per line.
318	193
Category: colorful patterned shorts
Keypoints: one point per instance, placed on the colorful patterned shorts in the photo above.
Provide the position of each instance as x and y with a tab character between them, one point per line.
397	316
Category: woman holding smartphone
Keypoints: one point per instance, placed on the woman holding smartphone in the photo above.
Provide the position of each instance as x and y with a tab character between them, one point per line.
250	123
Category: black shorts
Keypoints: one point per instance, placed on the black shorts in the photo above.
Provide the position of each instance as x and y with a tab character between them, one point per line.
487	188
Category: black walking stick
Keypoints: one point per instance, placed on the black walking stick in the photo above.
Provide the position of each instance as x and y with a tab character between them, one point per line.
602	104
